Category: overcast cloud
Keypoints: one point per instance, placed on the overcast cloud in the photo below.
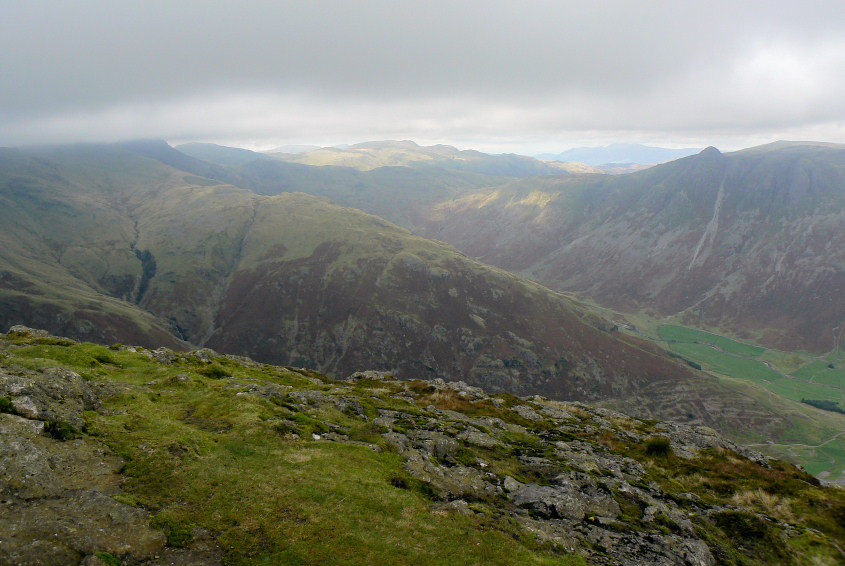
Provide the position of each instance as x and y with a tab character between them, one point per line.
526	77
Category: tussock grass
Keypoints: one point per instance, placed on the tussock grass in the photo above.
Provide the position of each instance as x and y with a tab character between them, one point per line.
773	504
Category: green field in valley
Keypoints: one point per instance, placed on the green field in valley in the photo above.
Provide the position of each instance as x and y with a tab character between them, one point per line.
813	380
821	372
673	333
794	376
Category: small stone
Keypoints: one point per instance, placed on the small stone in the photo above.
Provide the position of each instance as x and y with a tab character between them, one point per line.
511	484
25	407
370	375
527	412
478	438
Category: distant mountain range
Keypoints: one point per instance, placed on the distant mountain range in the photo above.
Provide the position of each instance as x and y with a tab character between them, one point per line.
142	243
292	148
372	155
128	243
619	153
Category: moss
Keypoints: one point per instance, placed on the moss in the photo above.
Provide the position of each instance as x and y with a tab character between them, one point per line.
178	533
60	430
284	428
631	507
104	359
753	536
666	524
214	371
404	480
107	559
54	341
465	456
6	406
369	432
402	426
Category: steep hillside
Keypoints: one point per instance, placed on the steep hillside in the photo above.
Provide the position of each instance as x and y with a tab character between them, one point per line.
116	244
750	242
294	279
747	242
68	245
150	457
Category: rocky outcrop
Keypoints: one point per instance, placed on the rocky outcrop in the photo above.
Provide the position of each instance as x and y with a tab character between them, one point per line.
61	491
60	488
613	489
573	493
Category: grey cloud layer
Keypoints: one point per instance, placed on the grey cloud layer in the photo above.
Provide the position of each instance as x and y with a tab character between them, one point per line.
431	69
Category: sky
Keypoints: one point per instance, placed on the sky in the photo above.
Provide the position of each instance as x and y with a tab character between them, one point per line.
499	76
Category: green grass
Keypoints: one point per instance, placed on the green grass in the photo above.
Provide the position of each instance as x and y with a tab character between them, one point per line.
726	363
797	390
673	333
758	372
217	460
826	461
820	372
222	455
808	439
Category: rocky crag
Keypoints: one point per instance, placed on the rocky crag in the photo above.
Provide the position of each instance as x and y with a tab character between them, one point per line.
125	455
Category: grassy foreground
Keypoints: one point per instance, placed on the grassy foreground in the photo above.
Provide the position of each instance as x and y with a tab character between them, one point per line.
205	454
248	456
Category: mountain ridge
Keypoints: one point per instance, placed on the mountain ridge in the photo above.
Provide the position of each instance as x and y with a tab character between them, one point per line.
346	289
576	241
212	254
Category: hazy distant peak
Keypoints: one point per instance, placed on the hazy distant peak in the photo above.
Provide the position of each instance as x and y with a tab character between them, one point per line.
146	145
404	144
710	150
620	153
292	149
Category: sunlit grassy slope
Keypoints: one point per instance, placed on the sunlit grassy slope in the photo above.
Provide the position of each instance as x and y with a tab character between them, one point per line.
201	453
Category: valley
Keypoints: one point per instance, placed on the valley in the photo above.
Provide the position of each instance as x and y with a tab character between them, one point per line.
742	243
142	243
412	283
800	377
